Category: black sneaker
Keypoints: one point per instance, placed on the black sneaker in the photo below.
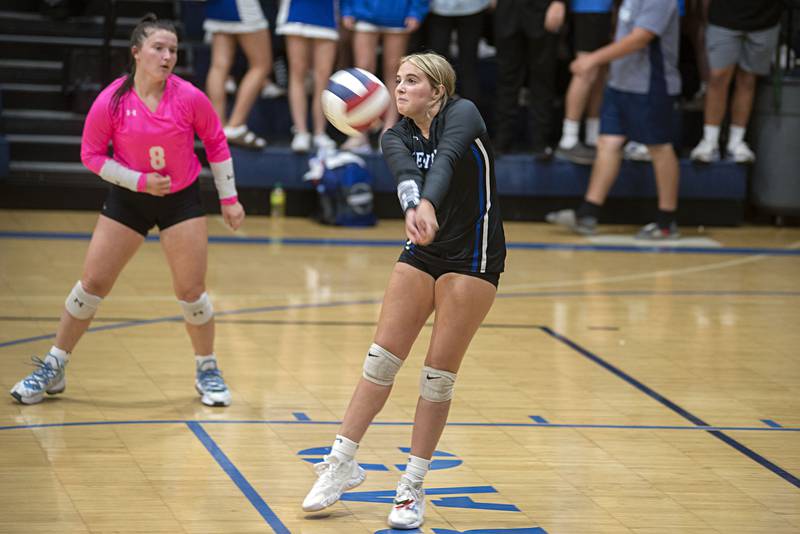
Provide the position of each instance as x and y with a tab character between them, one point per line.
579	154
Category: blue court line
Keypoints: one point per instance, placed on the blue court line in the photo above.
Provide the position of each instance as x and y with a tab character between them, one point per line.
404	423
283	307
771	423
179	318
300	416
674	407
337	242
539	419
241	482
650	293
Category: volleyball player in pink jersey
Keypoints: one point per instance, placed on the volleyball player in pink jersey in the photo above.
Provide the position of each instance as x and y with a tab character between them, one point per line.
150	116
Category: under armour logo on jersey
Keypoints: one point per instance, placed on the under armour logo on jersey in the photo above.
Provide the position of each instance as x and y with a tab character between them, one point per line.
78	302
130	112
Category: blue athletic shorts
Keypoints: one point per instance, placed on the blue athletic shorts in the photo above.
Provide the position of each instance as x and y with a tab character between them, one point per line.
647	119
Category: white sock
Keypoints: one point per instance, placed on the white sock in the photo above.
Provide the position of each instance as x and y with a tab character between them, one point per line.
61	355
344	449
592	130
205	362
417	468
569	134
711	134
735	135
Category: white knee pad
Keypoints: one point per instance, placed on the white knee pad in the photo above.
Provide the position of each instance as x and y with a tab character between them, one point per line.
198	312
436	385
381	366
81	304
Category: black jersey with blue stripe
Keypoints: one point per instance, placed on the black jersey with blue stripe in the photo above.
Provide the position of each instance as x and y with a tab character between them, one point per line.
454	170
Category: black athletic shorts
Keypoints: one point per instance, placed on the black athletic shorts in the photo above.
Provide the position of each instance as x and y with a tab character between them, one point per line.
410	259
141	211
591	31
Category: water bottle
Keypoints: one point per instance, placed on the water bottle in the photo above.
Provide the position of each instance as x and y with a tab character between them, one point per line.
277	201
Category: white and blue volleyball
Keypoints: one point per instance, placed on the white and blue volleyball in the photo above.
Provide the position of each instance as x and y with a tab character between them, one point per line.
354	100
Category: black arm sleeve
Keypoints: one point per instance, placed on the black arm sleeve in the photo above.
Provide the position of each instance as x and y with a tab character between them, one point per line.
399	159
463	124
401	162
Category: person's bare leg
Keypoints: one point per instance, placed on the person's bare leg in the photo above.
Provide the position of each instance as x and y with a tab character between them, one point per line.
667	171
605	169
258	50
186	247
578	92
717	95
324	55
365	45
743	94
596	96
462	303
395	46
407	304
298	53
223	50
113	244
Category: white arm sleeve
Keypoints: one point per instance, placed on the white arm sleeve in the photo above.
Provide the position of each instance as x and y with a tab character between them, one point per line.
114	172
408	194
224	178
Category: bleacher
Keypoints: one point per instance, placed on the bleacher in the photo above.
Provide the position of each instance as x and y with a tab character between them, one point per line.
41	126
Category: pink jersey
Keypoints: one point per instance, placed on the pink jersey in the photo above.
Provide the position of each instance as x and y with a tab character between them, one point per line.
161	142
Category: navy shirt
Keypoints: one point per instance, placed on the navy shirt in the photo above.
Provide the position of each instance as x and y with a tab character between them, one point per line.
454	170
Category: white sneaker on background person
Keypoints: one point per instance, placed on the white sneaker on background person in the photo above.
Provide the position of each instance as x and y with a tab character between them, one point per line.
741	153
705	152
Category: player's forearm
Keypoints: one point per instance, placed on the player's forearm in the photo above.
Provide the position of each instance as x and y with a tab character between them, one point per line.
116	173
224	181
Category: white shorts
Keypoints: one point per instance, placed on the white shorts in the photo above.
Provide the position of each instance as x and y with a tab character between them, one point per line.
307	30
363	26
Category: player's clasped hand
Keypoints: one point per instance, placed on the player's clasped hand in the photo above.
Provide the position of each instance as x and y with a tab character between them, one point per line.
421	223
157	184
233	215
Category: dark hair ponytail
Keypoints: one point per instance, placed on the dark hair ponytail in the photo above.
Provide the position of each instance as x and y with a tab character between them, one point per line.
140	33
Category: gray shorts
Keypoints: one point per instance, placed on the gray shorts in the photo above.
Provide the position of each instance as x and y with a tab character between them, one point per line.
752	51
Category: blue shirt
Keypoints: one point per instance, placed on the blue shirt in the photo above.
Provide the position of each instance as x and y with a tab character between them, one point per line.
591	6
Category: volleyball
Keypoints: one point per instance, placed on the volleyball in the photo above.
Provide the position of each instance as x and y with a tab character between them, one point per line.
354	100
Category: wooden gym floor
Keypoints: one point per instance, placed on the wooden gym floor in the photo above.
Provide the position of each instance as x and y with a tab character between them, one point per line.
612	389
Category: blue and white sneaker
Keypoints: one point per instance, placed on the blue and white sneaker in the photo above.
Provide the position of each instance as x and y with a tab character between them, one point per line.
49	377
211	386
408	510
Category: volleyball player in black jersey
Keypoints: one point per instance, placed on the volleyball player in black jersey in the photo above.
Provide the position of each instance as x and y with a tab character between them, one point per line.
443	161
